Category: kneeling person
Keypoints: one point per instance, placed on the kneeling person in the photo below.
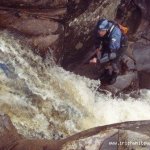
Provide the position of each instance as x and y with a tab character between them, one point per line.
108	46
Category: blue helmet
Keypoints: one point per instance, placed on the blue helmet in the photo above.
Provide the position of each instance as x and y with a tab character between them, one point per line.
103	25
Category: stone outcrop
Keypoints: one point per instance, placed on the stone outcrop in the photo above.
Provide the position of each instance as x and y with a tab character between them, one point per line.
34	3
40	24
142	57
35	28
139	48
128	135
142	46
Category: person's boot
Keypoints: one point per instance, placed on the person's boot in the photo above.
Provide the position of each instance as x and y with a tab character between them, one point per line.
113	77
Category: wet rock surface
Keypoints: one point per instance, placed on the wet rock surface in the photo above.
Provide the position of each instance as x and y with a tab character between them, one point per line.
141	51
34	28
142	56
122	136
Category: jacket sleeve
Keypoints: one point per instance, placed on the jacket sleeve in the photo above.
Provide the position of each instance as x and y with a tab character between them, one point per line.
115	40
97	42
97	39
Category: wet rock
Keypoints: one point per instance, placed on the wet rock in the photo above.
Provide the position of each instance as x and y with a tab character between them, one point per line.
8	133
123	82
122	136
35	29
142	55
128	58
144	78
111	140
130	63
94	142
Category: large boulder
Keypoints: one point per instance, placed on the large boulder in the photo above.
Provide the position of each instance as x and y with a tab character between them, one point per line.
35	29
141	51
123	82
142	58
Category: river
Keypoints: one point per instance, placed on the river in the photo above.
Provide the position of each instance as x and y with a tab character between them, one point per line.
46	101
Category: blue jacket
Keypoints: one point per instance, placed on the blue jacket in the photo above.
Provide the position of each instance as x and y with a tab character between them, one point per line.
111	42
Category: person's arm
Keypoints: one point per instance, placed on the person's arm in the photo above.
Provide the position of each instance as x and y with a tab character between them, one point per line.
98	56
97	48
114	45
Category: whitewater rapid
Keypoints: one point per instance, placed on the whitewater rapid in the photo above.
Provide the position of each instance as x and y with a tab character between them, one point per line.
44	100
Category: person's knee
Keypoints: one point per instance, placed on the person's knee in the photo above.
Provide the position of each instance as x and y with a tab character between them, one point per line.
115	68
113	55
105	58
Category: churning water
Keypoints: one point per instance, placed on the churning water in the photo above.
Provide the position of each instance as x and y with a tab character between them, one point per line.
44	100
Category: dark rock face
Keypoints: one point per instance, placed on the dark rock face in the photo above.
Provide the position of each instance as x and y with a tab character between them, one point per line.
142	58
144	6
34	3
142	46
144	78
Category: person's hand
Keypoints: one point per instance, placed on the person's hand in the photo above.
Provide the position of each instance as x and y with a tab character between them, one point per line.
93	61
97	50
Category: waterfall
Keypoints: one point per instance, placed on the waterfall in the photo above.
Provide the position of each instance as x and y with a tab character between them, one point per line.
46	101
